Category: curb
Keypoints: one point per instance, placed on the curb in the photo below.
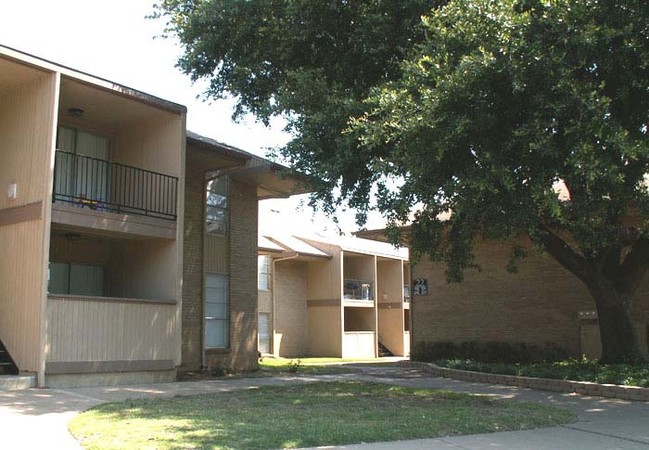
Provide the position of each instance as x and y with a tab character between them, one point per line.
633	393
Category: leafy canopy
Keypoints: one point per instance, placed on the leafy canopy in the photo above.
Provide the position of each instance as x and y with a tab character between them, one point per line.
519	117
311	61
481	108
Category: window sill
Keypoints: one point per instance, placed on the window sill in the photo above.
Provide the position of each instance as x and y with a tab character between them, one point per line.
217	351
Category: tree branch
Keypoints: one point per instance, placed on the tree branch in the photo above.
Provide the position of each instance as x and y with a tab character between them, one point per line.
562	252
611	263
635	266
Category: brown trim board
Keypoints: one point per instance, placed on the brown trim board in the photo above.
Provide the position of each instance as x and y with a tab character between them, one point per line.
333	302
390	305
55	368
24	213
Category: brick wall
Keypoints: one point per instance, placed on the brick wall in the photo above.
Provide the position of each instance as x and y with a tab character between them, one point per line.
291	322
242	354
192	306
537	305
242	241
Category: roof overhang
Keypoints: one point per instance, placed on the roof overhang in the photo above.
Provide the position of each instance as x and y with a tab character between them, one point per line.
272	180
291	247
90	80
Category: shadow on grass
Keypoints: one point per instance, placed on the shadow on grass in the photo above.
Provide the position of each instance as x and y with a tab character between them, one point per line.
306	415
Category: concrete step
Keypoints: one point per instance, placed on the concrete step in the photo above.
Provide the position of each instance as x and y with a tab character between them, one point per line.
17	382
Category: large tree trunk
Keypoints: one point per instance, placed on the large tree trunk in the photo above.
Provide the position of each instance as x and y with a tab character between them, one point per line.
617	332
612	281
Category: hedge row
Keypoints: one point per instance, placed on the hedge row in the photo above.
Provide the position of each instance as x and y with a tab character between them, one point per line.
491	352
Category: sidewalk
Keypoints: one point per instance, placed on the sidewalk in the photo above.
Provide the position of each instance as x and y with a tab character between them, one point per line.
38	418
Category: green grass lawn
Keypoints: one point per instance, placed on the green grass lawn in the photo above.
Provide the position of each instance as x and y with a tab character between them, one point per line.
574	369
303	415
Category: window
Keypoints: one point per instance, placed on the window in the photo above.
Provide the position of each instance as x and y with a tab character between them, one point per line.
216	206
263	273
264	333
76	279
216	311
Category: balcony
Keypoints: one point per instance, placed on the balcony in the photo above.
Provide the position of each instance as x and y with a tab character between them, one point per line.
358	290
101	185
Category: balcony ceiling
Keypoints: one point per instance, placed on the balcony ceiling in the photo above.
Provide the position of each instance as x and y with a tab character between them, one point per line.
103	108
14	74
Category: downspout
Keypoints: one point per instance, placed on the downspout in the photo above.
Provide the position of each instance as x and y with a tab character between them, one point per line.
377	331
292	255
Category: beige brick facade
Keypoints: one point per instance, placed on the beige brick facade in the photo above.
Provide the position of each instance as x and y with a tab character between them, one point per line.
538	305
242	354
313	310
291	326
241	267
192	308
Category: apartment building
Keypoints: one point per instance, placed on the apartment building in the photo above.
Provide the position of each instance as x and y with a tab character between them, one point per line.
542	305
104	276
343	297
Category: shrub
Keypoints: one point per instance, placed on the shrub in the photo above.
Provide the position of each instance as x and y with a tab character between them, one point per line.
294	366
572	369
491	352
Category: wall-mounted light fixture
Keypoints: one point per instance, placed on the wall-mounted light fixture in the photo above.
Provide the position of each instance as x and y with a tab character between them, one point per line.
12	191
75	112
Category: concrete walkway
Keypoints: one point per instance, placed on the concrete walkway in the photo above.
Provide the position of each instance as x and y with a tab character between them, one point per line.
37	418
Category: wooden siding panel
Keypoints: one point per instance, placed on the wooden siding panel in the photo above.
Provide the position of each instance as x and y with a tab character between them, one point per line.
325	331
358	344
390	303
325	278
150	269
291	332
20	291
92	330
153	143
391	332
27	116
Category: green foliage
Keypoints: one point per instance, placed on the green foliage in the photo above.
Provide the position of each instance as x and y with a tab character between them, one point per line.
503	104
572	369
515	117
487	352
294	366
311	61
310	366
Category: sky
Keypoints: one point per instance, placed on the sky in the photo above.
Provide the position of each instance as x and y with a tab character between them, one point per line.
113	39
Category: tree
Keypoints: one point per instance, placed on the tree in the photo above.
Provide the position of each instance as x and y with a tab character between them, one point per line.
312	61
505	105
523	117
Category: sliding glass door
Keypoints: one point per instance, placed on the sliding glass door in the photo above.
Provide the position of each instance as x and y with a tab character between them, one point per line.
82	172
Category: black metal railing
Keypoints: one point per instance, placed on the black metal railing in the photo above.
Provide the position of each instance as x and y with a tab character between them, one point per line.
105	186
358	289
